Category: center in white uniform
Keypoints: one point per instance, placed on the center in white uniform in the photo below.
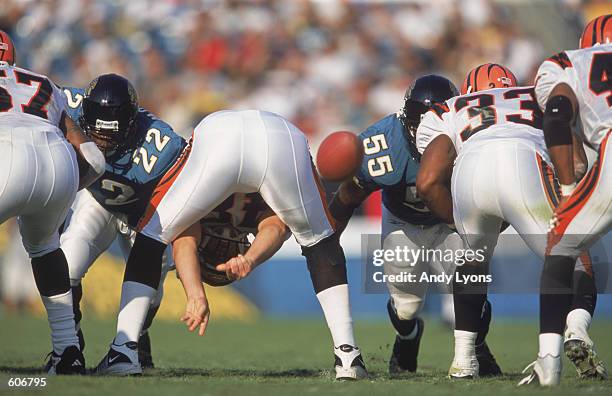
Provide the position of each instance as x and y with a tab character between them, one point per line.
241	151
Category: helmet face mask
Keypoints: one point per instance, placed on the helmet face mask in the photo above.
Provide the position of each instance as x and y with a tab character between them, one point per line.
413	111
420	97
110	108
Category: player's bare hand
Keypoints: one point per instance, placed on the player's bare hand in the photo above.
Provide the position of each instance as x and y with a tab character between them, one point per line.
196	314
236	268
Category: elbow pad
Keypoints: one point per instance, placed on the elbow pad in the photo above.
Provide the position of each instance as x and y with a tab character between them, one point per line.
557	121
94	157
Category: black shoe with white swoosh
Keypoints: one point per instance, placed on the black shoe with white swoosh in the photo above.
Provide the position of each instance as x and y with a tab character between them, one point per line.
120	360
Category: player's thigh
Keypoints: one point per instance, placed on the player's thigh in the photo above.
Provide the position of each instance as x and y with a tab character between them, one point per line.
587	214
89	231
17	175
529	197
406	266
292	188
196	184
53	193
475	207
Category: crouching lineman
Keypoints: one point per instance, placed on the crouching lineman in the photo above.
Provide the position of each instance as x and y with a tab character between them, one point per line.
139	150
216	249
391	164
38	181
250	151
492	134
574	90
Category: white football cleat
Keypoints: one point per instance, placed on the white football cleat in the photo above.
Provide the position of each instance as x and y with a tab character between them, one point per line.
121	360
464	370
546	369
349	364
580	350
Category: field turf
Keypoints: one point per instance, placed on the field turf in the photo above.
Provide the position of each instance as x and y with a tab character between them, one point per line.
281	357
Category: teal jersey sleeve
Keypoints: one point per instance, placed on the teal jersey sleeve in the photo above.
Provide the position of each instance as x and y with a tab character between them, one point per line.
74	102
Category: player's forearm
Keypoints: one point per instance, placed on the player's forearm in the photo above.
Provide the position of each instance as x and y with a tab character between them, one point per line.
562	159
348	198
185	254
90	159
433	179
581	163
188	268
267	242
439	200
558	119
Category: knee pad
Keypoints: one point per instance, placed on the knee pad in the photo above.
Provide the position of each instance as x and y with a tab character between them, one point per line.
326	263
145	261
406	308
51	273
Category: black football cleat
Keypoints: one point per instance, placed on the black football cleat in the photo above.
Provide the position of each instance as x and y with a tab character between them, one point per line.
405	352
49	363
487	366
70	362
121	360
144	351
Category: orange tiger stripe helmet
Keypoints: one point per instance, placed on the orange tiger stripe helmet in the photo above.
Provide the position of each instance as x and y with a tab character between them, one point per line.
487	76
598	31
7	49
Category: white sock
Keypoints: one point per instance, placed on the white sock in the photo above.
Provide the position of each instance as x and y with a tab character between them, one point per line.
550	344
579	320
135	301
465	347
337	311
61	321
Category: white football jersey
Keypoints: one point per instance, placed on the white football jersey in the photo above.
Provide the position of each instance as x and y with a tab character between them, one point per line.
490	114
28	98
588	72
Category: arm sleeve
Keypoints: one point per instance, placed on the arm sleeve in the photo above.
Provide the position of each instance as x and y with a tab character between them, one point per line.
432	125
552	72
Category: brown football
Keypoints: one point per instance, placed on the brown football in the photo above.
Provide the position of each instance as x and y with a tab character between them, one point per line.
339	156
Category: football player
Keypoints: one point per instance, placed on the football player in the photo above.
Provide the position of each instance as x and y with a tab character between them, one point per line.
574	90
254	151
139	149
390	164
38	182
501	175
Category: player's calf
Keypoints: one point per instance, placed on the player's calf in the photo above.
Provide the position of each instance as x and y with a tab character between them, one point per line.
51	276
407	341
327	266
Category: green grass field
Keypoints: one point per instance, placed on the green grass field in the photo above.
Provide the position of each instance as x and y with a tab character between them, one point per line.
281	357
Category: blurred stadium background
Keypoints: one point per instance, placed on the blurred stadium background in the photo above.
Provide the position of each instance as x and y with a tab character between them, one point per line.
325	65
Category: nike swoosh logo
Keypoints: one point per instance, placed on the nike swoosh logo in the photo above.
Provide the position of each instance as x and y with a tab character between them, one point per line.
112	359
